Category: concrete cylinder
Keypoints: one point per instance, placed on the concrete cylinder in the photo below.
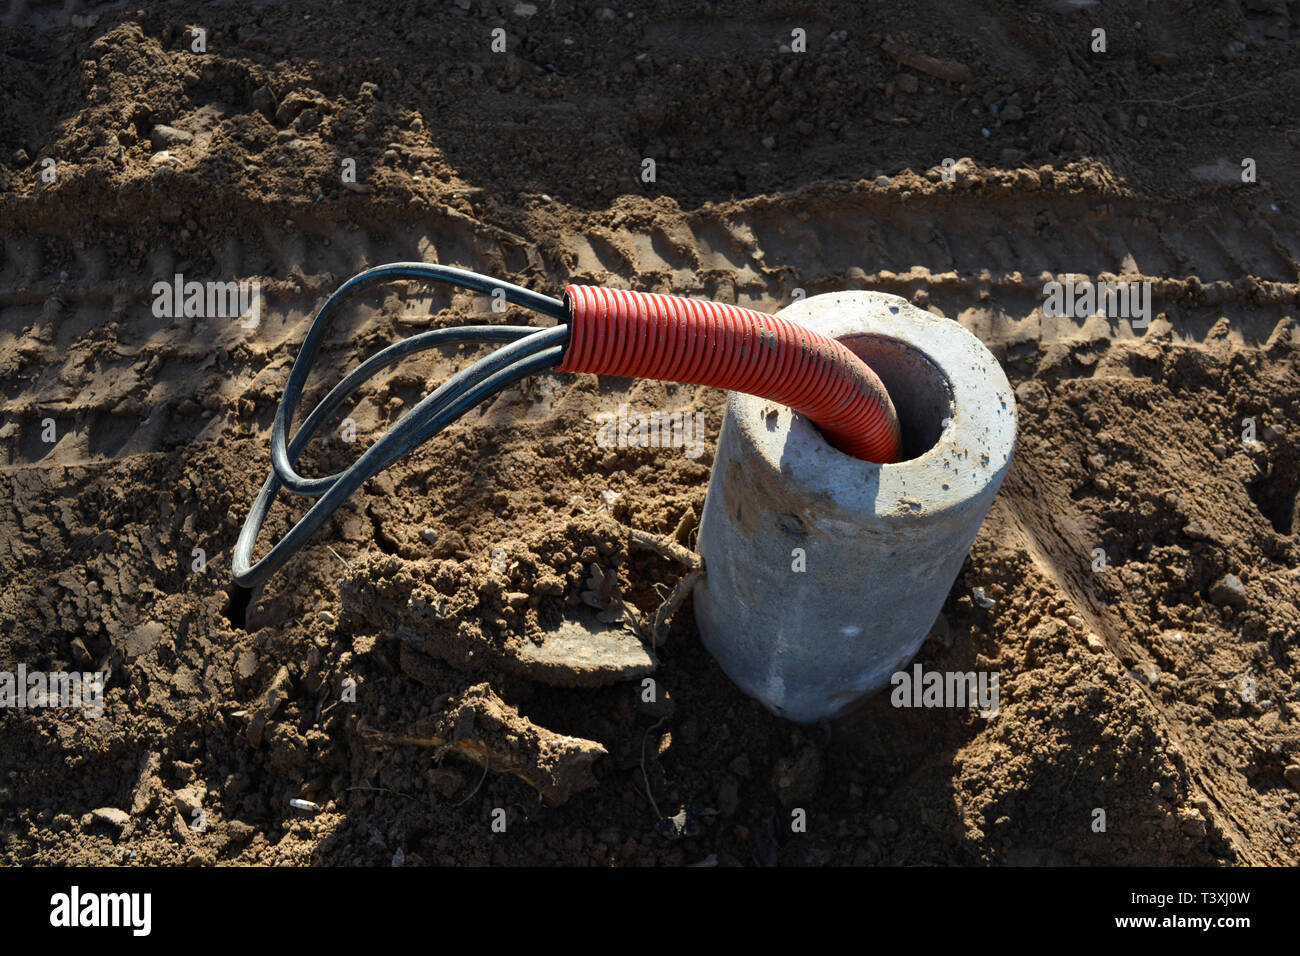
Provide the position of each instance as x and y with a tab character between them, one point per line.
824	573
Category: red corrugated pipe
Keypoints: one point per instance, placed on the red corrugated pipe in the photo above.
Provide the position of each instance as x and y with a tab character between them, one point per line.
644	335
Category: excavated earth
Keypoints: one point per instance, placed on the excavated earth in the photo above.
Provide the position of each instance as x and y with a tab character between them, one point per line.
418	673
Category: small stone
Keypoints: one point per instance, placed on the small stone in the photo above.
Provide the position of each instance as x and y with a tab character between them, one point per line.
1292	775
168	137
189	799
1011	114
1191	823
769	142
1220	450
582	651
1229	590
1095	643
429	536
1074	620
882	180
111	816
325	617
1032	394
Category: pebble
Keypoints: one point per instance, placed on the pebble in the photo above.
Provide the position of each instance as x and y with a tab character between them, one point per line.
769	142
1229	590
167	137
882	180
1032	394
110	815
1095	643
1292	775
325	617
189	799
1074	620
1011	114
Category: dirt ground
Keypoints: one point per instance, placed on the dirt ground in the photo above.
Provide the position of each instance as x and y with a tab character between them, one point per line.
1122	689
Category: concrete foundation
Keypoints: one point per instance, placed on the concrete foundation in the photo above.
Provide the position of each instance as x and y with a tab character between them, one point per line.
825	573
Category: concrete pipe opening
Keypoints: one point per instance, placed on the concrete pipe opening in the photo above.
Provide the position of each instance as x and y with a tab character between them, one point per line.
825	572
921	393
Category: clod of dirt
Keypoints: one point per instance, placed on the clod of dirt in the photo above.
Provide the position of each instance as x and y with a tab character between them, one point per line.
519	610
482	728
276	693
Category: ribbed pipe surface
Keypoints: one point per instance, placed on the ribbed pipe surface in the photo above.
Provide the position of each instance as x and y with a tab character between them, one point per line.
645	335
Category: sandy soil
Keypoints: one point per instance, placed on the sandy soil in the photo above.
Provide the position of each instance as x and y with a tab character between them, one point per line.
823	170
